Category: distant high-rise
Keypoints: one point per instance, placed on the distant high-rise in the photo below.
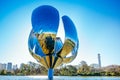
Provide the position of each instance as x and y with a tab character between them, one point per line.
15	67
21	65
2	66
9	66
99	60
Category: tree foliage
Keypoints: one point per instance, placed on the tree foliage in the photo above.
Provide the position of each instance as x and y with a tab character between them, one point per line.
69	70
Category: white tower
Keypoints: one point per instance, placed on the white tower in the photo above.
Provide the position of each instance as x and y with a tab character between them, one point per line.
99	60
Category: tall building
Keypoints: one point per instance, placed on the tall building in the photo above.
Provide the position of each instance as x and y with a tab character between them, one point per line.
2	66
9	67
99	60
15	67
21	65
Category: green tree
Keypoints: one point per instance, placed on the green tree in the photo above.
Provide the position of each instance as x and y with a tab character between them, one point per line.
56	72
68	71
84	70
25	69
3	72
64	71
72	70
43	70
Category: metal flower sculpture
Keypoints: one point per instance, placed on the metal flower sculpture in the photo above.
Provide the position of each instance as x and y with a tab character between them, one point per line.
43	44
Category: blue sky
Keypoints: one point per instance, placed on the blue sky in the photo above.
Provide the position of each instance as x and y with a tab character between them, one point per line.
97	23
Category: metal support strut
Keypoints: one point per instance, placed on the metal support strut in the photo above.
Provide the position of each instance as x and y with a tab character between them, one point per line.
50	74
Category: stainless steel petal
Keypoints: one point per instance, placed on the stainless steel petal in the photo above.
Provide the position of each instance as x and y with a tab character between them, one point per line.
71	40
45	19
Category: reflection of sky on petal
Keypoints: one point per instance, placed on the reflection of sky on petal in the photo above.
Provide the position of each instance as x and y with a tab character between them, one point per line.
31	41
45	19
58	45
38	50
34	44
70	30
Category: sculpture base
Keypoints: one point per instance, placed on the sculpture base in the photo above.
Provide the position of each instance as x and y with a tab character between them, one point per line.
50	74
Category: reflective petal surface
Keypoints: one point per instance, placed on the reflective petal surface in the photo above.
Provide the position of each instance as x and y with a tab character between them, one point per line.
71	39
34	45
45	19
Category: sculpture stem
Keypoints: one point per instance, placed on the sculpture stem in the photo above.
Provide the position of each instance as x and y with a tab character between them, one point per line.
50	74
